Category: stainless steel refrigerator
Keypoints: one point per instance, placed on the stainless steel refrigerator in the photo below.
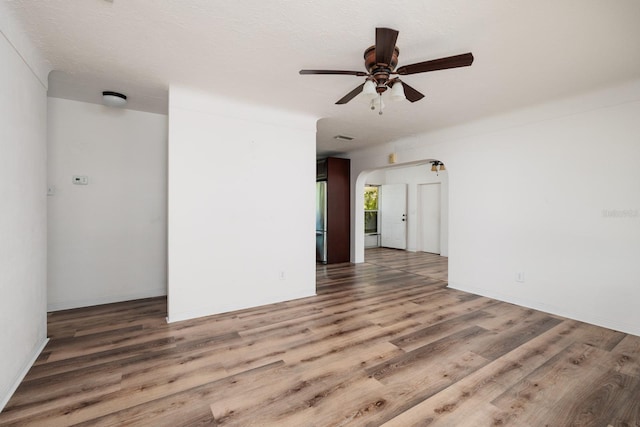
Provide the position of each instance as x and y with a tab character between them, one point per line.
321	221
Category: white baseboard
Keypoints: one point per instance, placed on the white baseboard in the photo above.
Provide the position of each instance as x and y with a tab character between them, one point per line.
108	299
219	309
7	395
590	318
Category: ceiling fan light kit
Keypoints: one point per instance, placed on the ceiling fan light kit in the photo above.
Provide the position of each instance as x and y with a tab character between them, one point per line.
369	89
434	166
380	61
397	92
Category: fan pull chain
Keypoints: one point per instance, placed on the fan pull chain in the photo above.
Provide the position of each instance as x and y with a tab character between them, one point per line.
380	104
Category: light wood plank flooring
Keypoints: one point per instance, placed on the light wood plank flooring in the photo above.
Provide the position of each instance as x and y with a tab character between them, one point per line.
383	343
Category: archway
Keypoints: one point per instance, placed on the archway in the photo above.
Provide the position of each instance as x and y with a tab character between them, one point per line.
414	175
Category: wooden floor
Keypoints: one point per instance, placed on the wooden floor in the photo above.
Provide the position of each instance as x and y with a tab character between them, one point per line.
383	343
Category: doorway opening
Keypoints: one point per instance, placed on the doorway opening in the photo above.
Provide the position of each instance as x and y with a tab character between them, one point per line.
412	210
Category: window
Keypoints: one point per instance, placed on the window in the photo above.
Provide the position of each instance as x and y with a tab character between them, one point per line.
371	209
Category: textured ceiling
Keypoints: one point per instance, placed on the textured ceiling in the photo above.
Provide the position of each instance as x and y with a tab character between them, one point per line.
526	52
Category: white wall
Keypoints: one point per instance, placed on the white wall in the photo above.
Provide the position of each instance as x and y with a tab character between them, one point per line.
241	205
107	239
376	177
543	208
23	256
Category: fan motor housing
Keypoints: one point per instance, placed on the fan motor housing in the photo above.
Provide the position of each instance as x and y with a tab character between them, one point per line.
370	59
380	72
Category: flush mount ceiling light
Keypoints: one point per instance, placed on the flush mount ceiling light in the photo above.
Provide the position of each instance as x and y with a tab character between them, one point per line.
114	99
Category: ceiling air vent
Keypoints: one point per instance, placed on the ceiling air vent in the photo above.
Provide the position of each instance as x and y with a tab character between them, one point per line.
343	138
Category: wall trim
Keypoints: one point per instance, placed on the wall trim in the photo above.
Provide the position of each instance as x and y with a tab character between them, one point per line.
213	310
23	373
552	309
66	305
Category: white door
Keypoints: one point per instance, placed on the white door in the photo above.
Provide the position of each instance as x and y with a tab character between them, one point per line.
429	217
392	209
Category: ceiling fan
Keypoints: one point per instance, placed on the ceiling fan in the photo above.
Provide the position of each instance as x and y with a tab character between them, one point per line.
380	62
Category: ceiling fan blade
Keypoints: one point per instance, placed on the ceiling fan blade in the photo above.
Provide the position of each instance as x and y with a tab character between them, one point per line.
385	43
348	97
456	61
347	73
411	94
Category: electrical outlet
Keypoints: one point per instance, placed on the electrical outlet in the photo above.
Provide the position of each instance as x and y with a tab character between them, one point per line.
520	277
281	275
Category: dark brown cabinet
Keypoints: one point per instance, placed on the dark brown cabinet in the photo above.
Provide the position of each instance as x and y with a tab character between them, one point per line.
337	205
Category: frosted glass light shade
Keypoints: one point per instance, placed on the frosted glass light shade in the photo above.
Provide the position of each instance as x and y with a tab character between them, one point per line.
397	92
369	90
114	99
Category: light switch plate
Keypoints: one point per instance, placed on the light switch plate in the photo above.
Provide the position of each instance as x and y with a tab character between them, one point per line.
80	180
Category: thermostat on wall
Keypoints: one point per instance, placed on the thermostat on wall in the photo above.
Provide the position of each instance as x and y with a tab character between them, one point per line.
80	179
